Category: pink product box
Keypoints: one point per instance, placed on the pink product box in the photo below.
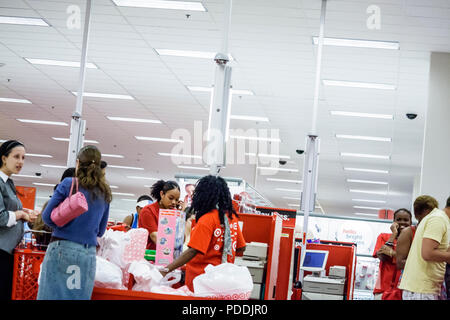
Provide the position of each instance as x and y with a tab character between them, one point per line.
166	236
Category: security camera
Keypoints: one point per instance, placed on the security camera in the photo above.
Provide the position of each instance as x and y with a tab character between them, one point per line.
411	116
38	174
282	162
300	151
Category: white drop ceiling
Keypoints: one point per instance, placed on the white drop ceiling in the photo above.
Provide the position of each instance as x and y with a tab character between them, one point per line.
275	58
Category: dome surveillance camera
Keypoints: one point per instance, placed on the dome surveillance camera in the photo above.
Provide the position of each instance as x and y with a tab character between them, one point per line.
300	151
282	162
411	116
38	174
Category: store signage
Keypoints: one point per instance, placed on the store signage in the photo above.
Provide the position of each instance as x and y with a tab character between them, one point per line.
287	216
358	232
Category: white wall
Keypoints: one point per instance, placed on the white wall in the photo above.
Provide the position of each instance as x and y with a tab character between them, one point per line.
435	177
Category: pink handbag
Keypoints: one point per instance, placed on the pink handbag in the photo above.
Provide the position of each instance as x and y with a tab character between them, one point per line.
73	206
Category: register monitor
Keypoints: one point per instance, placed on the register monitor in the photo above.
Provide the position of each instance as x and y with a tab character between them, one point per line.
314	260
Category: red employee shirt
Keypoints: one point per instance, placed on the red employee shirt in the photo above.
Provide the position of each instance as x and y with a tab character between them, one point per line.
148	219
207	237
387	269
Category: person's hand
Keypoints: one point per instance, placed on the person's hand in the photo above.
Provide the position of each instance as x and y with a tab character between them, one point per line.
386	250
181	205
32	214
164	271
22	215
394	228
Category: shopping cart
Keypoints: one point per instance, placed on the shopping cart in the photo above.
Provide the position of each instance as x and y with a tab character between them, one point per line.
28	257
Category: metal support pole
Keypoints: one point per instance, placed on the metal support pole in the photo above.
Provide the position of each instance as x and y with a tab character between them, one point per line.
220	109
77	125
310	166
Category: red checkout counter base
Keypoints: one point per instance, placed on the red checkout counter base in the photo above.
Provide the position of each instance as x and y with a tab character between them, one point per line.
340	254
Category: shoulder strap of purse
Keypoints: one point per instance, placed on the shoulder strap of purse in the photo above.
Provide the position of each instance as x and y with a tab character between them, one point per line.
71	187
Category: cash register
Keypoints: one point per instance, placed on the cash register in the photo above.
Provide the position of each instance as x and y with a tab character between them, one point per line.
319	286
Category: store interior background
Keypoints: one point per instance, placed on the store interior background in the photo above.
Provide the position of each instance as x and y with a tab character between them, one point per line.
274	58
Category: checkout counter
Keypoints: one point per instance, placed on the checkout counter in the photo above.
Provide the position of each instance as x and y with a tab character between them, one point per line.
317	285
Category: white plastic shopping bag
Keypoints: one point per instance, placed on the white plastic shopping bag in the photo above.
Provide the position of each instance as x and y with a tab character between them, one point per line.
225	281
147	276
108	275
112	247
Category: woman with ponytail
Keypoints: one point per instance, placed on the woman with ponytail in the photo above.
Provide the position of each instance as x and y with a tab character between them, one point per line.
68	269
167	196
216	235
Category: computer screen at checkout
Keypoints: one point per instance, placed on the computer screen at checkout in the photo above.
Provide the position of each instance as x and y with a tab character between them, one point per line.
314	260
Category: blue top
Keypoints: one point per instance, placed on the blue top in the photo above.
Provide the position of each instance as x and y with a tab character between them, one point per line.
87	227
135	221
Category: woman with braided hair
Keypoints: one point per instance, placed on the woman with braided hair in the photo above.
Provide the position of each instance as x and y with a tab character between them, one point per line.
216	235
68	269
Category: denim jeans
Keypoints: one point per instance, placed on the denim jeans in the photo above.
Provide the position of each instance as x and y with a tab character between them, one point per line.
67	272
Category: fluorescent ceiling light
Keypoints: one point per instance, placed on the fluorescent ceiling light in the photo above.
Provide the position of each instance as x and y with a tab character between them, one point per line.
67	140
14	100
52	123
133	200
383	193
366	170
112	155
189	53
44	184
393	45
367	181
368	200
366	214
291	198
60	63
113	187
159	139
133	119
26	176
256	138
179	155
24	21
123	194
159	4
38	155
264	155
105	95
53	166
368	138
354	84
368	208
124	167
144	178
249	118
193	168
362	115
233	91
242	92
278	169
293	205
285	180
363	155
288	190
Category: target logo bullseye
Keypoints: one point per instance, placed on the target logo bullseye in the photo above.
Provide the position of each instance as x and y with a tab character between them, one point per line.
217	232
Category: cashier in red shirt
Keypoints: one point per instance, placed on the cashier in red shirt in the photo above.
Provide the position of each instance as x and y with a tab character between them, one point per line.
167	196
385	251
216	236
